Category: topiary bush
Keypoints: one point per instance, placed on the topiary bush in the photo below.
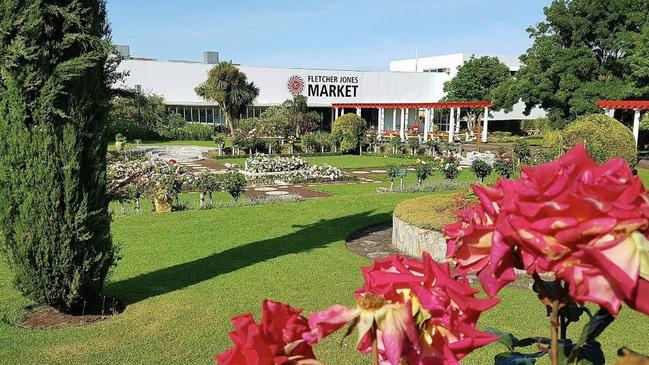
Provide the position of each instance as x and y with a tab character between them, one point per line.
604	138
352	128
234	183
481	169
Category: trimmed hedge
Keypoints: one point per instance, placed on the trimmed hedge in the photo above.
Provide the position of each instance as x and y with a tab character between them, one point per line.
604	138
428	212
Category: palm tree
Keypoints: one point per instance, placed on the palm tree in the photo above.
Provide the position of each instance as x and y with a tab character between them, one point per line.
229	87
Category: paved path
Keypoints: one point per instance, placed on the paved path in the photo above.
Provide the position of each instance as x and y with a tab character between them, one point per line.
373	242
179	153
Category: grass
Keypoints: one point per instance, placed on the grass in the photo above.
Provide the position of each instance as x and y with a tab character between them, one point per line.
184	275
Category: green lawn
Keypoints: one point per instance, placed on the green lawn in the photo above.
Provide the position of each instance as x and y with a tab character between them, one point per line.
184	275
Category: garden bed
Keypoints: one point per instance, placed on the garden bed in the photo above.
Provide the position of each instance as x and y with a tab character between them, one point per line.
417	225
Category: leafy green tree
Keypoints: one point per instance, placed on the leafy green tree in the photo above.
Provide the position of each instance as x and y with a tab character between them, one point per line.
351	128
476	80
481	169
55	77
585	50
229	87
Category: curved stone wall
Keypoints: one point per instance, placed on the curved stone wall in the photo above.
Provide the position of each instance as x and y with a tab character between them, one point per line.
413	241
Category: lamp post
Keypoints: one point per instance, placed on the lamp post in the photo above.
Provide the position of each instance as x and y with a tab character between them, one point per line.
138	91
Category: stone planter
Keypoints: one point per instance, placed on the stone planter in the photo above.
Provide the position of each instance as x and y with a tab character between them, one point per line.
119	146
163	206
413	241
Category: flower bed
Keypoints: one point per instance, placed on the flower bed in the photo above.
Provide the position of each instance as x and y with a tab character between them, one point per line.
261	169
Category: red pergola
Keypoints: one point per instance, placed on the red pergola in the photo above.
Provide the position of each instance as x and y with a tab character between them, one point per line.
609	107
624	104
428	106
441	105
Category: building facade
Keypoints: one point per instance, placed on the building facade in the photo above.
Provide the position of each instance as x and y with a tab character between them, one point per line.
391	101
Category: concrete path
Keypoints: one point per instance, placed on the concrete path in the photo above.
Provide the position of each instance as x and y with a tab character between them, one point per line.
178	153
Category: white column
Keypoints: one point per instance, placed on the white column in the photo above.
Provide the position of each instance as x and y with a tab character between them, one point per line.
358	111
394	119
611	113
457	122
451	125
335	114
381	121
426	124
485	125
405	125
636	125
402	128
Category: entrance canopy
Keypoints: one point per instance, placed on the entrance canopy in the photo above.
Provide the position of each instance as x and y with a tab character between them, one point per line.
610	106
403	108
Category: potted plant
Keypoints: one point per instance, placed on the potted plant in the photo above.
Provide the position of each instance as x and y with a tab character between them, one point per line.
120	141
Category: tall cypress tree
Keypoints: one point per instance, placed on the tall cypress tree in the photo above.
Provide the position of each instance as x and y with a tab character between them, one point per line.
55	77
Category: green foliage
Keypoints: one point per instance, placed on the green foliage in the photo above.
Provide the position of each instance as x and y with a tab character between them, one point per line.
476	80
229	87
310	142
604	138
584	51
423	170
139	116
542	124
55	77
553	142
219	139
234	183
522	151
351	128
192	131
481	169
120	138
504	163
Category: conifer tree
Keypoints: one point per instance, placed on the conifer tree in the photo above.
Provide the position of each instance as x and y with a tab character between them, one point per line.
56	70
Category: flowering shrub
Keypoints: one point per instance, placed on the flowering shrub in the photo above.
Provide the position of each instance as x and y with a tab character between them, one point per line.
449	164
260	163
423	171
295	168
585	224
504	163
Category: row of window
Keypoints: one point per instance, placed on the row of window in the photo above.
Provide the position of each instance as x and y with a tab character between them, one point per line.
208	114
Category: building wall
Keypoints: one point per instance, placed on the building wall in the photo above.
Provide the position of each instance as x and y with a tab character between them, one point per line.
176	82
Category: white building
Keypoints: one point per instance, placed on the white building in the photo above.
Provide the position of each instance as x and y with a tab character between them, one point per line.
400	100
446	66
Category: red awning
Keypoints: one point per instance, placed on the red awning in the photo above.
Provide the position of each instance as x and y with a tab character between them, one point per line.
450	104
624	104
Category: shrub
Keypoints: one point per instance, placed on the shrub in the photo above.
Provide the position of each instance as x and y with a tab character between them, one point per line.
603	137
481	169
120	138
54	95
234	183
192	131
352	129
553	143
542	124
449	164
423	171
522	151
504	163
310	142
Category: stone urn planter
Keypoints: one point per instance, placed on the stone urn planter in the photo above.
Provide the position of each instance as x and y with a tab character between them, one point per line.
163	206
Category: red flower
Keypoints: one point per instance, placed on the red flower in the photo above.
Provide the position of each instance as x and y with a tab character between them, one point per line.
586	222
276	340
425	316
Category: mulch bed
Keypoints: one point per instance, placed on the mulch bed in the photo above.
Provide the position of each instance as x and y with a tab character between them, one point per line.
292	190
45	318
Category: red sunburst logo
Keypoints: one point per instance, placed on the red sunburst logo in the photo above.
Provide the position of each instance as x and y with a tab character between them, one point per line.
295	85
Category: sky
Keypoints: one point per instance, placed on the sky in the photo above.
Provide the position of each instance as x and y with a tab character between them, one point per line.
332	34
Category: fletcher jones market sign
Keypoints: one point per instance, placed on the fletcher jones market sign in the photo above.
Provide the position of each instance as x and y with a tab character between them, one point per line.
324	86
